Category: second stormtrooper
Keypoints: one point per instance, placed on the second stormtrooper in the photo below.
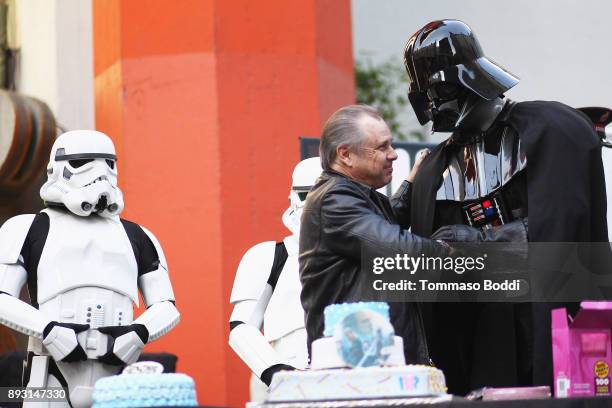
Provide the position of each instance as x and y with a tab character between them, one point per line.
267	290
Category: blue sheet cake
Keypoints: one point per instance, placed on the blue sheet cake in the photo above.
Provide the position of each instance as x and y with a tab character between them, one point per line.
138	389
360	357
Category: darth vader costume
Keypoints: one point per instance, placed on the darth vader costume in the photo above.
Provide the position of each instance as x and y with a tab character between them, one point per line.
504	161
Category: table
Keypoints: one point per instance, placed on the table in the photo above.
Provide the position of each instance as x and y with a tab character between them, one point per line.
451	402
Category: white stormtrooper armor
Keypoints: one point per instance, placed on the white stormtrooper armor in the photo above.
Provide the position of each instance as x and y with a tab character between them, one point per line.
83	266
267	291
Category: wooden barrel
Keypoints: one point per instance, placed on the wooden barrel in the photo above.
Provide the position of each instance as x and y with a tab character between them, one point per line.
7	341
27	132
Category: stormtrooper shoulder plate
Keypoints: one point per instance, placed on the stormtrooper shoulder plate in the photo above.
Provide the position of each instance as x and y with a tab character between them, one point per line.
478	169
253	272
13	234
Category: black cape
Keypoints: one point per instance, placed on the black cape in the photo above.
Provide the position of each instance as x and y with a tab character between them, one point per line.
566	203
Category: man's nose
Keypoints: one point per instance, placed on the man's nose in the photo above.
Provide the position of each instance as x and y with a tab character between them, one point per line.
392	155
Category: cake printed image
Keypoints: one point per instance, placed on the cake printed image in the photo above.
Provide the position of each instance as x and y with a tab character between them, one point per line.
360	357
357	335
363	337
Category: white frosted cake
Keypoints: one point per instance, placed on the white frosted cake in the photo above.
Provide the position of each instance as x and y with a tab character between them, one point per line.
358	383
144	390
359	358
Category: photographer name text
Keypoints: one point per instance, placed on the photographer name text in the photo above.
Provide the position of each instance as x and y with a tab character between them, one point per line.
489	285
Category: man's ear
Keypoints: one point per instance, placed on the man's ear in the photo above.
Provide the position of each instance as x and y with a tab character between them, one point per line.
344	155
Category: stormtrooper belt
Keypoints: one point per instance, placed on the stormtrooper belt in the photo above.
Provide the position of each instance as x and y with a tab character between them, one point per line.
490	212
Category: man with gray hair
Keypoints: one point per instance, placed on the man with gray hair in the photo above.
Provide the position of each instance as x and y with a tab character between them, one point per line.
344	213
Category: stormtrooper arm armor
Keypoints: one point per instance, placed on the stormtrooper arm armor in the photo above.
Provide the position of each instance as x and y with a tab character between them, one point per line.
250	296
247	340
161	314
15	313
159	318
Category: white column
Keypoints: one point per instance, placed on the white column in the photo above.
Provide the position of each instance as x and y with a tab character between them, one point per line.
56	58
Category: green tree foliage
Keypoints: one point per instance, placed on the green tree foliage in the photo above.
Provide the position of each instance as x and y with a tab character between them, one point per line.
383	86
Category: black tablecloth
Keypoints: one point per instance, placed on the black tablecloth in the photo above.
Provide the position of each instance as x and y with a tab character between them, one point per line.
456	402
598	402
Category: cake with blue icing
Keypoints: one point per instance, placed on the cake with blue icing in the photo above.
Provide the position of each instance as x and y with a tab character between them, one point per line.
359	357
138	389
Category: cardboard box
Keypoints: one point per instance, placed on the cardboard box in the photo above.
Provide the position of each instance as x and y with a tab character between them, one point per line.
582	351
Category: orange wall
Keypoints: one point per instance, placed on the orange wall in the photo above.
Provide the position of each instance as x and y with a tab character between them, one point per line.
205	100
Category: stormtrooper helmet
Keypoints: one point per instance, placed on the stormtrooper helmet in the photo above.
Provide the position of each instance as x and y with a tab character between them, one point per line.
304	177
82	174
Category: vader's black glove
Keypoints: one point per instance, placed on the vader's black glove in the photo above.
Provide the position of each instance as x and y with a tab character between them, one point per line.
458	233
515	231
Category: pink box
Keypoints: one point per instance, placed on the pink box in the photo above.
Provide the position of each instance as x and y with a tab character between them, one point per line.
582	351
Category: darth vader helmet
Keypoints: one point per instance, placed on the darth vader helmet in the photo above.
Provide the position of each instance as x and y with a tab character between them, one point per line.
448	74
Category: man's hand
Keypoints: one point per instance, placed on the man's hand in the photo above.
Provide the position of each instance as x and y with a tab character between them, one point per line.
125	343
417	165
61	342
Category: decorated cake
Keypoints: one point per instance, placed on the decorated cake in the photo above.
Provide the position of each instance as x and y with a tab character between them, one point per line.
357	335
143	387
360	357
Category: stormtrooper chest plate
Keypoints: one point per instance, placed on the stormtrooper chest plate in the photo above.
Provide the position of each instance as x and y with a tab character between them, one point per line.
475	171
86	252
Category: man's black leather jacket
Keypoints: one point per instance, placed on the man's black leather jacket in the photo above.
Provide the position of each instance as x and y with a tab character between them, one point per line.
341	219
